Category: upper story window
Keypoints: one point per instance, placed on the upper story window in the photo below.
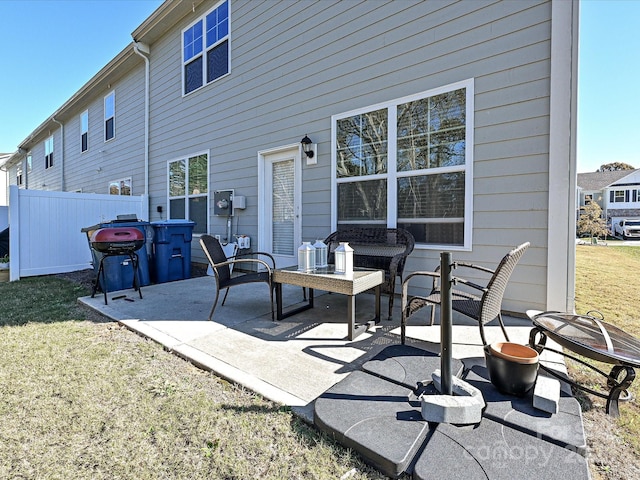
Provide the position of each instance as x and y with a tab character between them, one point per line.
29	162
588	198
205	48
618	196
48	152
84	131
109	116
19	177
189	190
408	164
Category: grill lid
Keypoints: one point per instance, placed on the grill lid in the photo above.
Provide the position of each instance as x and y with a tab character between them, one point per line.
117	240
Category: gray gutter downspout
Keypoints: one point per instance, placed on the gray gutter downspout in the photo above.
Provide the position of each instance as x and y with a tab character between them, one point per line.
143	50
62	155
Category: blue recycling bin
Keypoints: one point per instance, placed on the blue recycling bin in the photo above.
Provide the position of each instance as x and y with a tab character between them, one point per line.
117	268
172	250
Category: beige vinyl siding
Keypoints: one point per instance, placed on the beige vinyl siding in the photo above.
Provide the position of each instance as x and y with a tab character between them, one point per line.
295	64
121	157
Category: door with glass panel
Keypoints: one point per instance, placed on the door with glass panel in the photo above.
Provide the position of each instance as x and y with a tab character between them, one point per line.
280	213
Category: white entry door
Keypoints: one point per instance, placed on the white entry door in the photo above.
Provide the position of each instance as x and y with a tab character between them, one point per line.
279	212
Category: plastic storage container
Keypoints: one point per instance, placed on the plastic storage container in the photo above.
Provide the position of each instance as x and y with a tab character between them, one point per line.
172	250
117	269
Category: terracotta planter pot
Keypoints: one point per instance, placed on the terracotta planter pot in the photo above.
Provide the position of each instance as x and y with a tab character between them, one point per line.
513	368
514	352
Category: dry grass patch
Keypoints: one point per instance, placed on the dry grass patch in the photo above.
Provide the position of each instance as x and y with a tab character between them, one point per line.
606	280
87	400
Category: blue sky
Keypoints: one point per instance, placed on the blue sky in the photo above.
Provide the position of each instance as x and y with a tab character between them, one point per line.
50	48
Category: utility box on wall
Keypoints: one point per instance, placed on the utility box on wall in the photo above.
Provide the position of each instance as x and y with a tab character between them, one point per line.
223	203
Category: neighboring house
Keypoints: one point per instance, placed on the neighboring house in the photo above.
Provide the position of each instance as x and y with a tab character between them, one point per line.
4	158
455	120
617	192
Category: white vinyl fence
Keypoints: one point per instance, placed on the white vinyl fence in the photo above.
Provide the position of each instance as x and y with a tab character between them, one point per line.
45	228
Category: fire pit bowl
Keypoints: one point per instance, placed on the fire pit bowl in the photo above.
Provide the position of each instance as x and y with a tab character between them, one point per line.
513	368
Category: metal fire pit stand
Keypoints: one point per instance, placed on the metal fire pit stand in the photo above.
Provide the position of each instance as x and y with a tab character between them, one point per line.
133	256
608	345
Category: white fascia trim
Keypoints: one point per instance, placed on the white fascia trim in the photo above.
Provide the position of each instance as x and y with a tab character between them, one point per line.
562	157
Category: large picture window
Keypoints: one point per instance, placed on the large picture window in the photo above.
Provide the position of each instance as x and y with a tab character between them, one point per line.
189	190
205	48
408	164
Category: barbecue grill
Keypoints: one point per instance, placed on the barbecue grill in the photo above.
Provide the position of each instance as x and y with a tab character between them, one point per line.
117	241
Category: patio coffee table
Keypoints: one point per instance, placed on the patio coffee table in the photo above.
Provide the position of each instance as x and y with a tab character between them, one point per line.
325	279
592	338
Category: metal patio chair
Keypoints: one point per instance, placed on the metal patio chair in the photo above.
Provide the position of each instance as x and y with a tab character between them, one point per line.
222	267
482	307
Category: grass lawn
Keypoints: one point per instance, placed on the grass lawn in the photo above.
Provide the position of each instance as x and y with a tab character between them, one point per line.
86	399
83	398
606	280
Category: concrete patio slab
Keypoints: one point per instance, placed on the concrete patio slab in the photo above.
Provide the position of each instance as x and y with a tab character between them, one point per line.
300	360
283	355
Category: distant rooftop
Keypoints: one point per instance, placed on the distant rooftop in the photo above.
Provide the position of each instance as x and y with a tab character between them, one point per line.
600	180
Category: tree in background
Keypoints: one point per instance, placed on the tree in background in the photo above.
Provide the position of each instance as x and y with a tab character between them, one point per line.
614	167
591	222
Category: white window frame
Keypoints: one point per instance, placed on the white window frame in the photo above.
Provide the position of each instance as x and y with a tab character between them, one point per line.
48	152
111	94
119	184
204	49
29	162
392	175
84	130
191	195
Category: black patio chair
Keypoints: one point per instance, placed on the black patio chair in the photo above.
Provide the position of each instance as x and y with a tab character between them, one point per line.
222	268
483	307
378	248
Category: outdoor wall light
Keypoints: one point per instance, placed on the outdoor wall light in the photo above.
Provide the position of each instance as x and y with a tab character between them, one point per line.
307	146
309	150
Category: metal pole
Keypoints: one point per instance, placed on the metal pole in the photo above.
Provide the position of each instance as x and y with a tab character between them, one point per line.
445	322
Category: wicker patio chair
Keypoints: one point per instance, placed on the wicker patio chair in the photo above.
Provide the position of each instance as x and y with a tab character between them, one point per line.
379	248
222	267
483	307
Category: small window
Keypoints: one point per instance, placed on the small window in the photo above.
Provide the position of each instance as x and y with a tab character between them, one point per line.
109	116
120	187
205	48
84	131
29	162
617	196
48	152
19	177
588	198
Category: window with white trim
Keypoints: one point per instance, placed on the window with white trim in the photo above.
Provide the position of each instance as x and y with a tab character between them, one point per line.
189	190
205	48
48	152
19	176
120	187
109	116
29	162
408	164
84	131
618	196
